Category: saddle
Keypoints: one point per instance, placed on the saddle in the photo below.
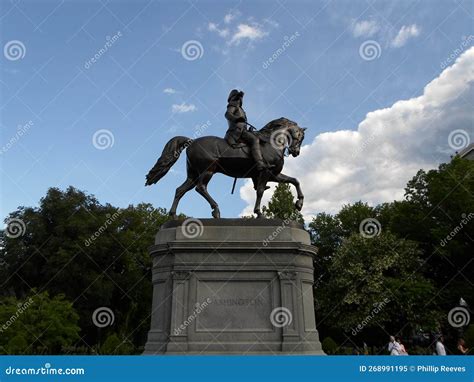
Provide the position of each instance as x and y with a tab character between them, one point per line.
244	147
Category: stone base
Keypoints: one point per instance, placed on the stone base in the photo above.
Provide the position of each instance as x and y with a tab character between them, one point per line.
232	286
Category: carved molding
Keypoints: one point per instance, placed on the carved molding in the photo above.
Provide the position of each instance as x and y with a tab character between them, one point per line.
181	275
287	275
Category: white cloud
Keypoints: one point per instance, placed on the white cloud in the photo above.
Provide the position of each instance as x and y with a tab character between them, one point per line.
213	27
365	28
183	108
169	91
229	17
374	162
234	33
247	32
404	34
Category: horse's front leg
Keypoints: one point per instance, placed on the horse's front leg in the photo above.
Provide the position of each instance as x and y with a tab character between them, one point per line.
282	178
260	185
258	202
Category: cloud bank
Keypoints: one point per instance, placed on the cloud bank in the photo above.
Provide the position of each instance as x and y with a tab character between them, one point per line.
374	162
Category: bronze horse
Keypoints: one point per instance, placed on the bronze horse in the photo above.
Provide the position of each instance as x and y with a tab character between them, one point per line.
209	155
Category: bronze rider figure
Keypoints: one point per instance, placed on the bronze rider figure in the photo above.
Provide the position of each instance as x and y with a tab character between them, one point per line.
237	120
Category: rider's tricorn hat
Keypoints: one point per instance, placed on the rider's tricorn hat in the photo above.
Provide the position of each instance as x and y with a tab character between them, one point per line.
235	94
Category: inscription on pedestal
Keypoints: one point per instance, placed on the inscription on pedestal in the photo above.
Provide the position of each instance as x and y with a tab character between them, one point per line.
236	305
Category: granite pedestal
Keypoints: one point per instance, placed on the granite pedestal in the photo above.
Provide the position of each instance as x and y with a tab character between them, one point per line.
232	286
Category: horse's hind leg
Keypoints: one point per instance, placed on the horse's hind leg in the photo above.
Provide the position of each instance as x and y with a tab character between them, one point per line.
180	191
201	188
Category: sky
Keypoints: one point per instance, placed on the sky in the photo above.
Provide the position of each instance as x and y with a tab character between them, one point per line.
91	91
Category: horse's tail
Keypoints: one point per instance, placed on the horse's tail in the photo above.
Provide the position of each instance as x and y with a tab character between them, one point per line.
168	158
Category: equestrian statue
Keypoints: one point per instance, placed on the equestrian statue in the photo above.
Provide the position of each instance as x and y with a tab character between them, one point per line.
244	153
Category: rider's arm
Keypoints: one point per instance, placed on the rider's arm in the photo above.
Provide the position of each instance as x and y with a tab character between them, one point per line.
232	114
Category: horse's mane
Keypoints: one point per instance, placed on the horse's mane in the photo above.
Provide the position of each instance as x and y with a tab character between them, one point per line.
276	124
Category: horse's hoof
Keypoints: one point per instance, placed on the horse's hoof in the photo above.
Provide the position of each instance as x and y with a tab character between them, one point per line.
173	216
299	205
216	214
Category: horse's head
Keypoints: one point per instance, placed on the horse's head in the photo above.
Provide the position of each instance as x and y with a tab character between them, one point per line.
296	138
286	134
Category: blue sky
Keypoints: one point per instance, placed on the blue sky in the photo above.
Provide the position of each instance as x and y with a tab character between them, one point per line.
145	88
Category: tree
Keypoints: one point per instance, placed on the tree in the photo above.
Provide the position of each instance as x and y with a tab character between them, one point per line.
95	254
438	213
352	215
376	282
282	205
113	345
37	325
326	234
328	231
329	345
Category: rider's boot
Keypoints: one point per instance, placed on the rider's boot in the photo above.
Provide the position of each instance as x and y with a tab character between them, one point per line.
257	155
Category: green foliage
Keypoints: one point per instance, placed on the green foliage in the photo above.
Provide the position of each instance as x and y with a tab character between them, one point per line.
329	345
16	345
282	205
469	338
351	215
437	204
375	281
326	234
113	345
37	325
94	254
